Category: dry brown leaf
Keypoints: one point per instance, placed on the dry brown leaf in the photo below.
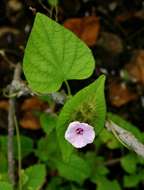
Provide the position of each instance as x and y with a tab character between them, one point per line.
130	15
119	94
86	28
125	16
111	42
4	105
33	103
135	68
15	5
30	121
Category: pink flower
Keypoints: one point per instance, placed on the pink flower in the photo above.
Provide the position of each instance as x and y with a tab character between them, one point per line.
79	134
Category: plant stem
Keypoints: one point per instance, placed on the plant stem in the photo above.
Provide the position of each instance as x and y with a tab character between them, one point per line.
68	88
56	13
112	162
19	152
11	162
11	123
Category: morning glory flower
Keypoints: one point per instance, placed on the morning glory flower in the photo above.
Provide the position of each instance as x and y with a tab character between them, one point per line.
79	134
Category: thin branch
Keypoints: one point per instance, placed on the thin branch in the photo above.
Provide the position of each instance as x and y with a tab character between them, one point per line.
11	114
112	162
10	141
127	138
19	152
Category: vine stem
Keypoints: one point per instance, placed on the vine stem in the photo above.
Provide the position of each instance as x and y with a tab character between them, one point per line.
11	162
68	88
19	151
11	124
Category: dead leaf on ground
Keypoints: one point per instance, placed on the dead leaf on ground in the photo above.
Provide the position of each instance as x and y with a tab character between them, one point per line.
86	28
15	5
30	121
120	94
111	42
4	104
130	15
33	103
125	16
135	68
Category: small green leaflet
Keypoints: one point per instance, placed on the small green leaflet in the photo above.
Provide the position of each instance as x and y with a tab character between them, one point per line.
53	55
5	186
129	163
91	102
77	169
33	177
48	122
26	145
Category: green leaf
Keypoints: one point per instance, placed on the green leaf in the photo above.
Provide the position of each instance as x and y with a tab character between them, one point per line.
104	184
132	180
5	186
96	163
34	177
53	55
4	177
48	149
108	138
76	169
88	105
129	163
53	3
3	163
26	145
48	122
54	183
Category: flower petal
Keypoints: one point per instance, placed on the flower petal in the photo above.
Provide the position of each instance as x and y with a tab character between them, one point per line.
79	140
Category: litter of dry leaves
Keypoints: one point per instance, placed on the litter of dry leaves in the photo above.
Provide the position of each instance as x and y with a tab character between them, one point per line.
86	28
135	68
119	94
29	107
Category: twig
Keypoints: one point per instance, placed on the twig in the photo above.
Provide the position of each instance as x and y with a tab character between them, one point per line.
10	141
11	113
112	162
19	152
3	54
127	138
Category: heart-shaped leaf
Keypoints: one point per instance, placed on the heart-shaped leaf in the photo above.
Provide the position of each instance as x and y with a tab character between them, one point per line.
53	55
88	105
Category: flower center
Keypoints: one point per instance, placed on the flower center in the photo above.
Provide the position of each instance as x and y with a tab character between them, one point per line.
79	131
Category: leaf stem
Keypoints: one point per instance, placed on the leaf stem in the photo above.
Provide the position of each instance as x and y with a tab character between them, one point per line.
68	88
19	152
